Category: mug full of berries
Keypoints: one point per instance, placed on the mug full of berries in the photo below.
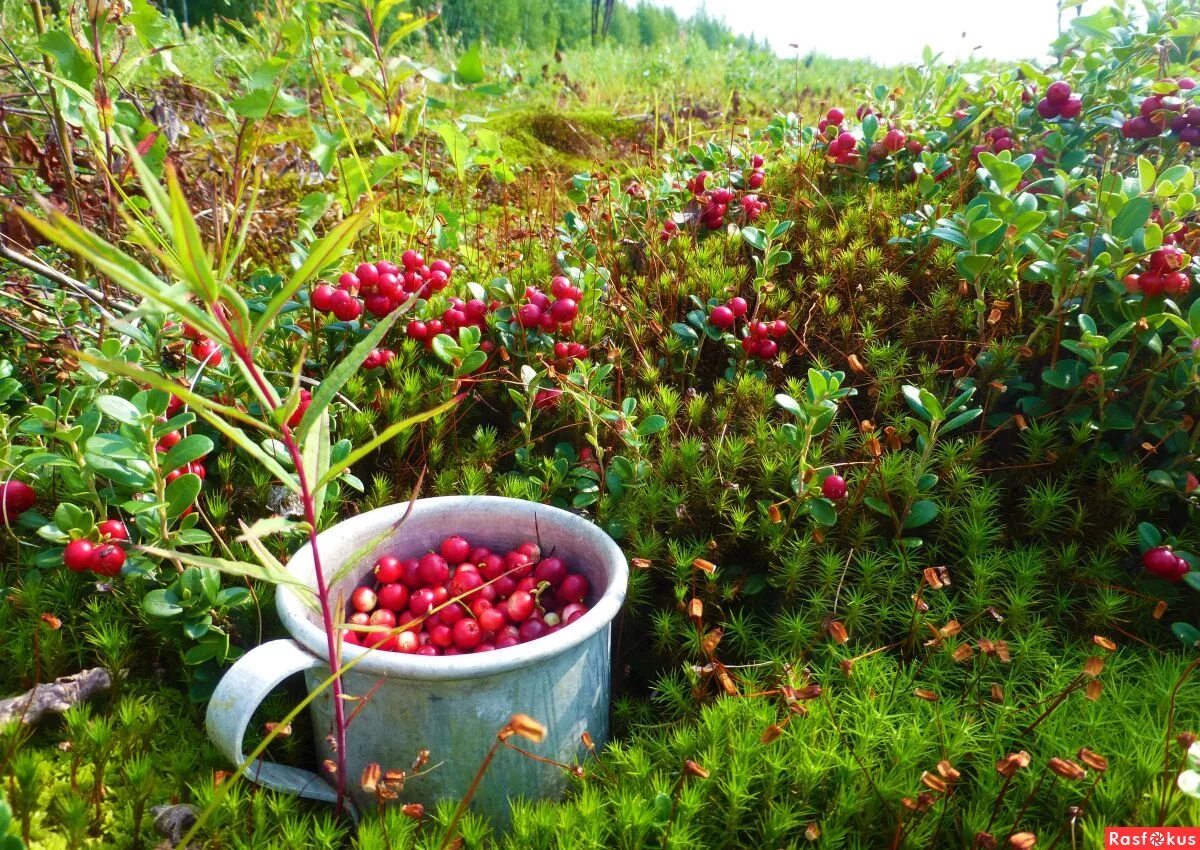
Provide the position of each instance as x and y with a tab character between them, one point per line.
460	612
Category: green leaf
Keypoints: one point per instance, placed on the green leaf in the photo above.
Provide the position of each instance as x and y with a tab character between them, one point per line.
315	458
651	425
120	409
1146	173
1006	174
241	569
789	404
160	603
182	492
755	238
961	420
822	511
190	448
1148	536
470	67
1133	216
913	396
920	514
260	103
1187	633
349	366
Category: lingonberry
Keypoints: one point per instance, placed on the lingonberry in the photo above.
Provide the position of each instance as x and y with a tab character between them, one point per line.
16	497
78	555
465	581
573	588
393	596
531	629
205	350
572	612
421	601
383	617
113	529
833	487
737	304
1162	562
564	310
388	570
322	297
1058	92
107	560
467	634
364	599
434	569
441	634
520	606
835	116
551	570
455	550
529	315
722	317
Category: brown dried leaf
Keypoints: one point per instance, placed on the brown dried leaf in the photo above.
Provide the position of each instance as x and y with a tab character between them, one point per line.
1093	666
1012	762
691	768
926	694
837	631
771	734
1159	609
1104	643
1067	769
813	831
371	774
1022	840
704	566
963	653
997	692
1093	689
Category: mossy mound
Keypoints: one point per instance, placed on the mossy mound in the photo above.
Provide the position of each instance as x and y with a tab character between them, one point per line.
562	141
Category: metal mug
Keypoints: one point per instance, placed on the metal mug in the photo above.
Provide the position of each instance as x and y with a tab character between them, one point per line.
452	706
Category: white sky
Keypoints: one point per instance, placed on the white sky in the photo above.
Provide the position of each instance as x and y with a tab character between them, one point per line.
893	31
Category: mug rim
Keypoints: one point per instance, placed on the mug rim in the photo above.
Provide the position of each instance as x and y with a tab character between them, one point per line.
292	610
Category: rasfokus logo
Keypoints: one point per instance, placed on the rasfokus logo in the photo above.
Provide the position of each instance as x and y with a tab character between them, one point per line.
1151	836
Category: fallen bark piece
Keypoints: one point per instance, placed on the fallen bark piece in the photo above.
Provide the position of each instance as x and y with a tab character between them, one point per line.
55	697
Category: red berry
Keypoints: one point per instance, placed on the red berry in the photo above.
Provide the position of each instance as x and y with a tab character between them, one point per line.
348	283
738	305
364	599
433	569
564	310
835	116
407	642
441	635
722	317
833	487
467	634
519	606
574	588
16	497
417	330
345	306
1072	108
1046	109
1058	92
421	601
465	581
529	315
108	559
551	570
205	350
894	140
383	617
532	629
1160	561
322	297
78	555
411	259
572	612
546	398
393	596
113	529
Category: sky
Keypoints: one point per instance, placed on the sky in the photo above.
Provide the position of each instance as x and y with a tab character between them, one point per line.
892	31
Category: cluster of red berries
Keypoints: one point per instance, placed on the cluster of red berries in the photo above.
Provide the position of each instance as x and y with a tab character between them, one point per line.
997	139
1059	102
376	358
724	316
758	342
203	349
103	558
463	599
16	497
1163	563
752	207
565	352
539	311
669	231
756	177
460	314
1165	276
381	287
1160	112
167	442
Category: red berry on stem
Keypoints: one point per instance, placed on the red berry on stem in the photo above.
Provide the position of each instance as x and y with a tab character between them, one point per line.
78	555
1161	562
573	588
16	497
722	317
834	487
433	569
322	297
394	596
1058	92
108	559
455	550
113	529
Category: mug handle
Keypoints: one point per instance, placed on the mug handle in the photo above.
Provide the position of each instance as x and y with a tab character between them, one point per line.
238	694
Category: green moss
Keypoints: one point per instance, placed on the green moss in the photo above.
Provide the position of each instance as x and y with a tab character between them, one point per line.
562	141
